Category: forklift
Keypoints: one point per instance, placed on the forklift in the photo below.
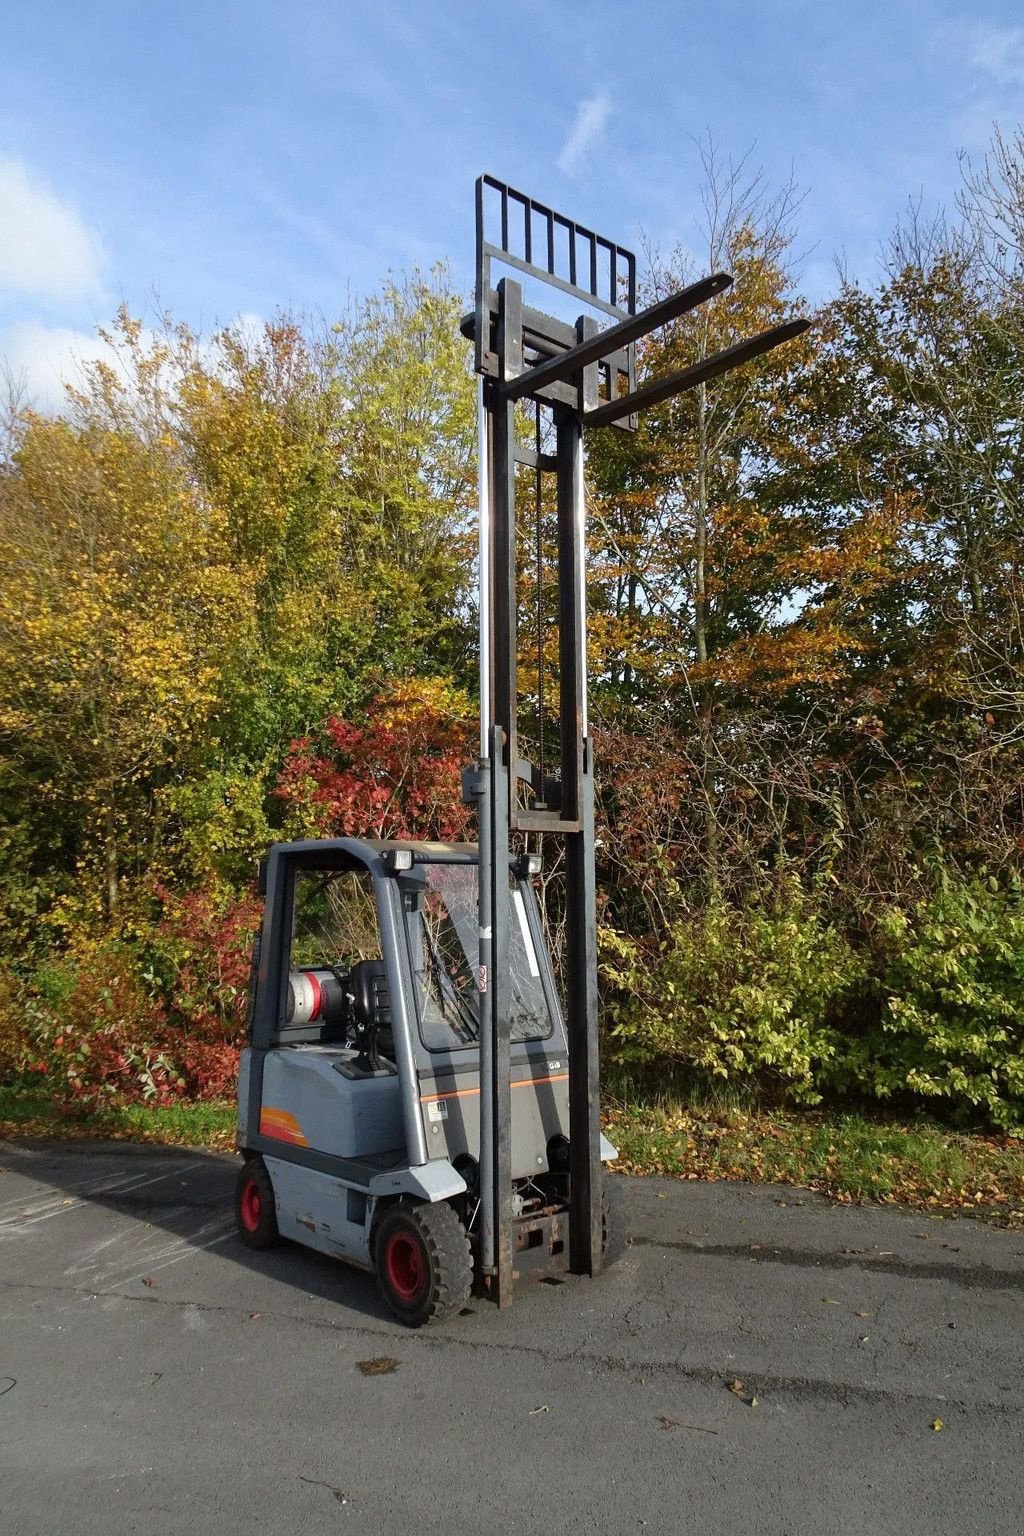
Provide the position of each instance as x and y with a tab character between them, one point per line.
413	1098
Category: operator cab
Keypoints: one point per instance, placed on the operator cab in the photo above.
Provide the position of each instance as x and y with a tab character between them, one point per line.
359	1092
367	969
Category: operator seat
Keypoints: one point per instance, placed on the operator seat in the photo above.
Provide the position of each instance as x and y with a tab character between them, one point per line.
371	1004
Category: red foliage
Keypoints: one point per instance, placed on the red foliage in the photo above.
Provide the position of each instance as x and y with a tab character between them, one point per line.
107	1036
162	1019
397	775
158	1027
209	1070
204	949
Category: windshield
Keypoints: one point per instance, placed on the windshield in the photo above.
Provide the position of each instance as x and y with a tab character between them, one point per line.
442	917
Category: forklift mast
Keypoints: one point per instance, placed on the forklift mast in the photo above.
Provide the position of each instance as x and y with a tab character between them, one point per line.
577	375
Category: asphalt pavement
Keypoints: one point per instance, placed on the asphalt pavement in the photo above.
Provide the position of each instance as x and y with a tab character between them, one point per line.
760	1361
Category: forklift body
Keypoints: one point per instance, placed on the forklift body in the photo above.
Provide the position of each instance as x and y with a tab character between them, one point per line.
359	1090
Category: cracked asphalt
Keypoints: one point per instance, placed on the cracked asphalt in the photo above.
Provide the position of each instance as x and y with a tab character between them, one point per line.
759	1361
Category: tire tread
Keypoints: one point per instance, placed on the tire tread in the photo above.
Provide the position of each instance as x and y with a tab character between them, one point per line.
451	1261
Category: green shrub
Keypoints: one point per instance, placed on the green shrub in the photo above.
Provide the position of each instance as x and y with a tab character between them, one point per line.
95	1029
951	1022
754	994
14	1034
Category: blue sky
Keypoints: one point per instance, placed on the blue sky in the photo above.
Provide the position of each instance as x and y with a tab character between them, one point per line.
238	158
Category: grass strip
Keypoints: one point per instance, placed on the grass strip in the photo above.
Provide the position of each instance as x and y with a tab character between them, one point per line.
30	1113
849	1157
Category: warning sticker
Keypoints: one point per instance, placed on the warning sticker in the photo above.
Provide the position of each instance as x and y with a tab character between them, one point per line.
437	1110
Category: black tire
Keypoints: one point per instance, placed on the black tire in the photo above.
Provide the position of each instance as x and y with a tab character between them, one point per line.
613	1224
255	1211
423	1261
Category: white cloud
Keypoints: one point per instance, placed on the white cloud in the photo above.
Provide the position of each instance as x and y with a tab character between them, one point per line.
46	248
249	327
37	361
588	126
40	359
990	59
998	52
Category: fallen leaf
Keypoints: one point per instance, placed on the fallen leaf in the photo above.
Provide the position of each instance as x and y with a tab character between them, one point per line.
829	1301
380	1365
148	1280
736	1386
937	1424
254	1315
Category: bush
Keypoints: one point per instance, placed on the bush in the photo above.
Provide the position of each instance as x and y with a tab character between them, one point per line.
14	1035
95	1029
157	1019
927	1005
200	955
951	1025
755	994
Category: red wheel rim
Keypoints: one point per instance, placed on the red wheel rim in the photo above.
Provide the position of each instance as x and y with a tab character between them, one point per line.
406	1270
251	1205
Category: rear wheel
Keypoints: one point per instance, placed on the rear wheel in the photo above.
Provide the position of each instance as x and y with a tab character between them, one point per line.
423	1262
255	1212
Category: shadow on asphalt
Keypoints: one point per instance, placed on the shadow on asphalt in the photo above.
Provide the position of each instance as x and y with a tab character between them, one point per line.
198	1187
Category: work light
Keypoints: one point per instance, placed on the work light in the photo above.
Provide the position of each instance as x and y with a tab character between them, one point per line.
397	859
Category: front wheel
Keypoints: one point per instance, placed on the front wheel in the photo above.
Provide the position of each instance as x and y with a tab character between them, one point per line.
423	1261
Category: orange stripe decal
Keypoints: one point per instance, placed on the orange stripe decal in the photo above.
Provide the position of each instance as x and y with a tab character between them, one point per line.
468	1093
281	1125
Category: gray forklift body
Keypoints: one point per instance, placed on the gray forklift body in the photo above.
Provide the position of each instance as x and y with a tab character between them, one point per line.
339	1138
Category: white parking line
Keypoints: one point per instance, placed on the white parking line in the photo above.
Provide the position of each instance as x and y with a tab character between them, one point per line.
73	1191
60	1205
143	1253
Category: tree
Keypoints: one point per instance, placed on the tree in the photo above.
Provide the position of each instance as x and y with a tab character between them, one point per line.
115	623
217	547
394	773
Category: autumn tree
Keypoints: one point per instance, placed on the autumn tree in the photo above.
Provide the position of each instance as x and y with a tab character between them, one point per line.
216	548
115	625
703	570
